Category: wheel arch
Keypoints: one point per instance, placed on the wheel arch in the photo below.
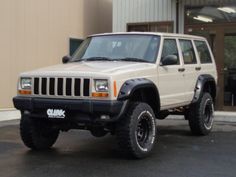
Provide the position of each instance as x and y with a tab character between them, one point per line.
141	90
205	83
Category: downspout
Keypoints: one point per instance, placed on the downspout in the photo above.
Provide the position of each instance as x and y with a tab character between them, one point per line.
177	16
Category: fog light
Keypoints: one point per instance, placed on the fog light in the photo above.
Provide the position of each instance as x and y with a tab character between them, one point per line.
105	117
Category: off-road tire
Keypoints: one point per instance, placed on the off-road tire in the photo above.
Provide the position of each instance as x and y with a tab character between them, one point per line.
37	134
201	115
133	138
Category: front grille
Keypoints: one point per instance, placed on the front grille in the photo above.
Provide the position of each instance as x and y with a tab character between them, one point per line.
68	86
77	87
44	86
61	86
86	87
36	85
52	86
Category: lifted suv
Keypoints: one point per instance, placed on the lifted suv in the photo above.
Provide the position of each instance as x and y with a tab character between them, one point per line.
120	84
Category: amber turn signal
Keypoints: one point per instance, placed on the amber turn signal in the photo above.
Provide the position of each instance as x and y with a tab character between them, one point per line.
25	92
115	89
99	94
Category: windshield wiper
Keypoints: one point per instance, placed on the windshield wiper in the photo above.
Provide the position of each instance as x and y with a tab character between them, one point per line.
132	59
95	59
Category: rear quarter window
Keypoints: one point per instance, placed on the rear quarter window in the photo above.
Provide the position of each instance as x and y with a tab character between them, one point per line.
203	52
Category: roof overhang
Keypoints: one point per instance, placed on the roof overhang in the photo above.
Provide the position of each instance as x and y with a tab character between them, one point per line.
206	2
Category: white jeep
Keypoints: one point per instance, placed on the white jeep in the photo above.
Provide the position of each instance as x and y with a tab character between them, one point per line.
120	83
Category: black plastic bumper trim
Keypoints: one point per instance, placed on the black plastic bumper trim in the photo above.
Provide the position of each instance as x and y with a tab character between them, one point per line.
90	107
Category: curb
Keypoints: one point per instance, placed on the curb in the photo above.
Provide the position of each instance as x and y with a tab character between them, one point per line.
6	115
220	116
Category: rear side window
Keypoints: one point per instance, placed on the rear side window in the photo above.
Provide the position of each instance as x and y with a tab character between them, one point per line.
188	52
203	52
170	48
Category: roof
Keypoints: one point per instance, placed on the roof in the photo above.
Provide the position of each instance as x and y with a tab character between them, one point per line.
152	33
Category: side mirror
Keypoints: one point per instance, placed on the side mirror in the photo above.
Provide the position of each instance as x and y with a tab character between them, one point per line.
66	59
169	60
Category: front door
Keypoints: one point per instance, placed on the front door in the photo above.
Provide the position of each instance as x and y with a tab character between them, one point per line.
222	40
171	77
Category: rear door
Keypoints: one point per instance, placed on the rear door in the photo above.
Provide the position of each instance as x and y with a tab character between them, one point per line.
171	77
205	57
191	65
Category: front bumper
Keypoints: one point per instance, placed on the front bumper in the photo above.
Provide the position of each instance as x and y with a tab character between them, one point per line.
77	110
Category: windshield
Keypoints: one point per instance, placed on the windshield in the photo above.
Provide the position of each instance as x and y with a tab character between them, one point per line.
134	48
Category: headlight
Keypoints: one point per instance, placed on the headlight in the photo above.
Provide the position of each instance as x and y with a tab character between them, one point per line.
101	85
26	83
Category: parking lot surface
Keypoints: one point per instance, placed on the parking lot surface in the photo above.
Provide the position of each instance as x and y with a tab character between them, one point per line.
76	153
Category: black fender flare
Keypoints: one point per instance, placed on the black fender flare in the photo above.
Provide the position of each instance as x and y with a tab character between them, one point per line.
130	86
201	81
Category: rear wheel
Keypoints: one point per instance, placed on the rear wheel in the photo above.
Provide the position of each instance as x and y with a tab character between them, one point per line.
37	134
136	132
201	115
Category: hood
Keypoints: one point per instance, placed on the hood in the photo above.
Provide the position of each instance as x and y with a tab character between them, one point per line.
88	68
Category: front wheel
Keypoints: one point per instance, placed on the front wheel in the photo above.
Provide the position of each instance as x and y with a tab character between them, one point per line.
201	115
37	134
136	132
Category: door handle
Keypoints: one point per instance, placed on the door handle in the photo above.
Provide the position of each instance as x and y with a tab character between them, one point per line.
181	69
198	68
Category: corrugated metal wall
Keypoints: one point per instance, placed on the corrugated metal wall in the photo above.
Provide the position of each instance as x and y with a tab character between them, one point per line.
133	11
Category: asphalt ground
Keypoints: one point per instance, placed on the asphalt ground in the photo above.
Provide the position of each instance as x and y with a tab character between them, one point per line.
77	153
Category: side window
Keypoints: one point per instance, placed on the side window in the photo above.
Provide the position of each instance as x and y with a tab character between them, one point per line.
74	45
203	52
188	52
170	48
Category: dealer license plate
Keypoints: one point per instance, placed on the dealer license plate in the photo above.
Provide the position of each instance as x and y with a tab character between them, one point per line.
56	113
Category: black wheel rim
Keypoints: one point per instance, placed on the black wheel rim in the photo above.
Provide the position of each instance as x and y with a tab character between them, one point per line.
208	114
145	131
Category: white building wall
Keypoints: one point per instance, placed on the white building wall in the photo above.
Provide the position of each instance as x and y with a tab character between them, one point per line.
135	11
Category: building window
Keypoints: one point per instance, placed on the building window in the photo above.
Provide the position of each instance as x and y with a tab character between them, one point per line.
210	14
74	44
151	27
